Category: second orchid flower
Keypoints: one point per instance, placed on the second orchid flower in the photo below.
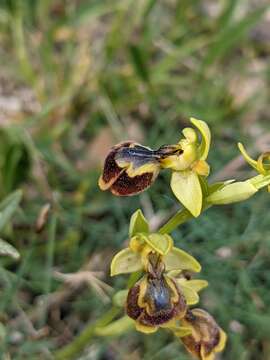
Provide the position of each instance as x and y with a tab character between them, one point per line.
131	168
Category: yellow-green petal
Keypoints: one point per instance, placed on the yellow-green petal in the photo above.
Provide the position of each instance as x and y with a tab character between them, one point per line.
138	224
201	168
178	259
126	261
190	134
116	328
161	243
206	137
137	243
119	299
232	193
187	188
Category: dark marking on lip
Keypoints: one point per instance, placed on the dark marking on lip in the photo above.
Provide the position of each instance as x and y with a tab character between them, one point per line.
126	186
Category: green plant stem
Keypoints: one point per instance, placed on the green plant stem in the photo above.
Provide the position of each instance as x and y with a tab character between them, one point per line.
80	342
179	218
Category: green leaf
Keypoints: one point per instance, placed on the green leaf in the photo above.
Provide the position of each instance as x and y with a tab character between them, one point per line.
8	250
178	259
15	159
138	60
160	243
116	328
148	8
138	224
206	137
230	37
232	193
187	188
126	261
8	207
89	12
119	299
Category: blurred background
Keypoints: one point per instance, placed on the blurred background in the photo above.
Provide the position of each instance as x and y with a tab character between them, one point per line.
77	77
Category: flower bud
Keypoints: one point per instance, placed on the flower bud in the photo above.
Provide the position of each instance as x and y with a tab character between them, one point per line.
238	191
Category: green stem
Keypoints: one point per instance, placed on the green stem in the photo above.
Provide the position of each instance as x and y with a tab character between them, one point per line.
79	343
179	218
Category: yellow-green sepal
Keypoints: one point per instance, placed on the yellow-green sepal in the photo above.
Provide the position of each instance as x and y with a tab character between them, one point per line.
206	137
258	165
119	299
196	284
138	224
263	163
190	295
116	328
232	193
161	243
145	329
248	159
187	188
181	331
126	261
190	289
178	259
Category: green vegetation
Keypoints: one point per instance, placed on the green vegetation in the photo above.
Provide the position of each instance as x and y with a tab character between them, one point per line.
77	77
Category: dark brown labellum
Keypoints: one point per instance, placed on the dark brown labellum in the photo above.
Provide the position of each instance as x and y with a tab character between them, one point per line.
155	301
129	169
